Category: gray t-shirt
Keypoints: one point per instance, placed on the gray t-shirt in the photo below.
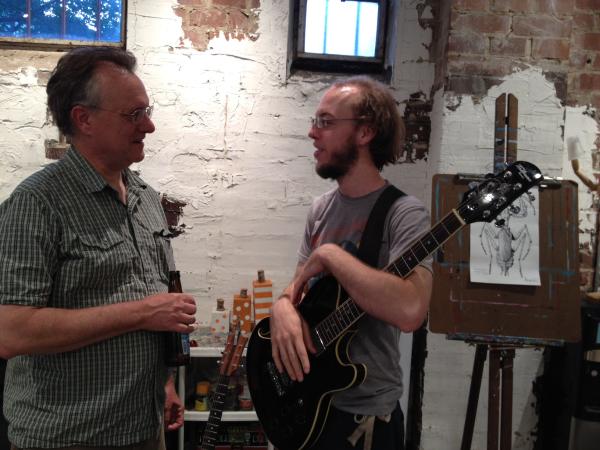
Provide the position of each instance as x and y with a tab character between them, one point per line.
336	218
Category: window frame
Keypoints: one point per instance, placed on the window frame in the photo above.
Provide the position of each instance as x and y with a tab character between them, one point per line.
298	60
66	44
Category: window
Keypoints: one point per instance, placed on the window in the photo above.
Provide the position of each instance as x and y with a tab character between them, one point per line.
340	35
62	22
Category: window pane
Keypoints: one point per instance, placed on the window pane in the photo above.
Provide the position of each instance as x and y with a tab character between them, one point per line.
334	27
13	20
62	19
81	20
110	21
45	19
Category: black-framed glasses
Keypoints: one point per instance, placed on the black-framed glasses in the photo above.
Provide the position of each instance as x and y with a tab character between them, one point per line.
135	116
325	122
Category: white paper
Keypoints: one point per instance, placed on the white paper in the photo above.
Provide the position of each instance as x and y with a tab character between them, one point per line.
506	250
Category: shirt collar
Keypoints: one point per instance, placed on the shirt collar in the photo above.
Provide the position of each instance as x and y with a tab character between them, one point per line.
90	178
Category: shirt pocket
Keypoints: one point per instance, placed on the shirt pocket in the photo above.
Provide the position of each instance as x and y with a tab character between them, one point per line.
162	253
95	259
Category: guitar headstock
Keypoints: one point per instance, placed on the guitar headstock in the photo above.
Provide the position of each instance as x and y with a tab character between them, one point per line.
485	201
234	347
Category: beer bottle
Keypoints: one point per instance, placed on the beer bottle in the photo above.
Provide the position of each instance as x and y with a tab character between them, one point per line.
177	348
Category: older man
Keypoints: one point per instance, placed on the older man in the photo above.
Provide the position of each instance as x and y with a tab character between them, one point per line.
85	259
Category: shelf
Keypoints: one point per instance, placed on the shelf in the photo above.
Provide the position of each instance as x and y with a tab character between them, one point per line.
207	352
228	416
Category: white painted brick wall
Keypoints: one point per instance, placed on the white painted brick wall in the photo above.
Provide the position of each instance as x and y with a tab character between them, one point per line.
231	142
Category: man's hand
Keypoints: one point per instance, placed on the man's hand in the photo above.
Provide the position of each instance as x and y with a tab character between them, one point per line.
314	265
290	339
170	312
173	407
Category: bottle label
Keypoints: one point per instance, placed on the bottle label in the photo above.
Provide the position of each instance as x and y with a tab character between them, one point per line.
185	343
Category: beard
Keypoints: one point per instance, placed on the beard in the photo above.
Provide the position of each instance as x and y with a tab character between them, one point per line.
340	163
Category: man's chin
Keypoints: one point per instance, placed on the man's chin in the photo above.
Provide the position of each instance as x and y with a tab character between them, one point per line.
328	172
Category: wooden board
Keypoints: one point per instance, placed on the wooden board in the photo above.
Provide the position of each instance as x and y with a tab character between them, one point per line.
546	314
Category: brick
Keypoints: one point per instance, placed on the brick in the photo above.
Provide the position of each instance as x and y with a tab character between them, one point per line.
471	5
596	64
541	26
232	3
467	43
482	23
560	7
493	67
589	41
551	49
211	17
518	6
587	4
589	81
583	21
509	46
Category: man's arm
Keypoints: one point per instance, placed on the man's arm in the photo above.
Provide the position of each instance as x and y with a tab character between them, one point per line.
401	302
289	334
29	330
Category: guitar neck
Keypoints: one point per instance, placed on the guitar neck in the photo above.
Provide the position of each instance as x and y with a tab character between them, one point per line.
329	329
209	437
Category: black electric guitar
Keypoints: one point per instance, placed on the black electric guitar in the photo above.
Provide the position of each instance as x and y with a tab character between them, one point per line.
293	413
229	364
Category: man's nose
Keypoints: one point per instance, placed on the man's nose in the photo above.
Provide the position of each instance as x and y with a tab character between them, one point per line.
146	125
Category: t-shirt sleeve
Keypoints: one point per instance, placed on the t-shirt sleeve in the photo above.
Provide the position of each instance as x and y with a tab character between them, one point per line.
28	250
409	220
305	246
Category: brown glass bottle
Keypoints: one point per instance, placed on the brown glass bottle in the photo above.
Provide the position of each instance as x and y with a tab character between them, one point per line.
177	345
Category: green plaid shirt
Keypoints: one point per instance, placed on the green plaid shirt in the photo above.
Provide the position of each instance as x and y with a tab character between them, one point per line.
68	242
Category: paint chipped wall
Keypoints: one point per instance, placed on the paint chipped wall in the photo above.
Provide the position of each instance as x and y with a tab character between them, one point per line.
231	153
232	158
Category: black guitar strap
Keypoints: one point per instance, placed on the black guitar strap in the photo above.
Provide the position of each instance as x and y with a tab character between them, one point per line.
370	241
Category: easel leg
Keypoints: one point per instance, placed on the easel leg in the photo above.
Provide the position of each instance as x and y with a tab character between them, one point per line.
480	355
493	400
507	359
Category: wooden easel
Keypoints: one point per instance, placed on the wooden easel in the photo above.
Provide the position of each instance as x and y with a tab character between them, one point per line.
501	318
500	387
500	390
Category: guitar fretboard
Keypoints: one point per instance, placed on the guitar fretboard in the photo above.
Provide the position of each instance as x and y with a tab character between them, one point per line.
209	438
330	328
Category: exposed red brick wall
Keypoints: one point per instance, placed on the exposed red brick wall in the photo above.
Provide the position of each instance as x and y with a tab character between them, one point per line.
203	20
489	39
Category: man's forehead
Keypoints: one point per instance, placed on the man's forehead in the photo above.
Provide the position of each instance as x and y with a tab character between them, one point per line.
343	97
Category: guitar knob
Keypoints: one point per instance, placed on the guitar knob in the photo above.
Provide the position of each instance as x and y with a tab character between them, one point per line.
508	174
502	200
517	187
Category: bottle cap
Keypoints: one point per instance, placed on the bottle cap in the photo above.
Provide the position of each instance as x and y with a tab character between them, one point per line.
261	275
244	292
220	304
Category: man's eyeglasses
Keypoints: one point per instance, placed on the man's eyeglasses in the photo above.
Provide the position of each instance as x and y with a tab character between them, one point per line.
325	122
136	116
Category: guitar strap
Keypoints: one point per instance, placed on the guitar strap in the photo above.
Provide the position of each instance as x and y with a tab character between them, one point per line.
370	242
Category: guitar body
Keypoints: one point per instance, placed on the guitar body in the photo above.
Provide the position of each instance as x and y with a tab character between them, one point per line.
293	413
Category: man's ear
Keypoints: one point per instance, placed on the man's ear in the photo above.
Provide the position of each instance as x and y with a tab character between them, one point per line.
366	133
80	118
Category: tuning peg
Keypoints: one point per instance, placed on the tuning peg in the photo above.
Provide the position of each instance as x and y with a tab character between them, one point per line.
500	223
508	174
517	187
